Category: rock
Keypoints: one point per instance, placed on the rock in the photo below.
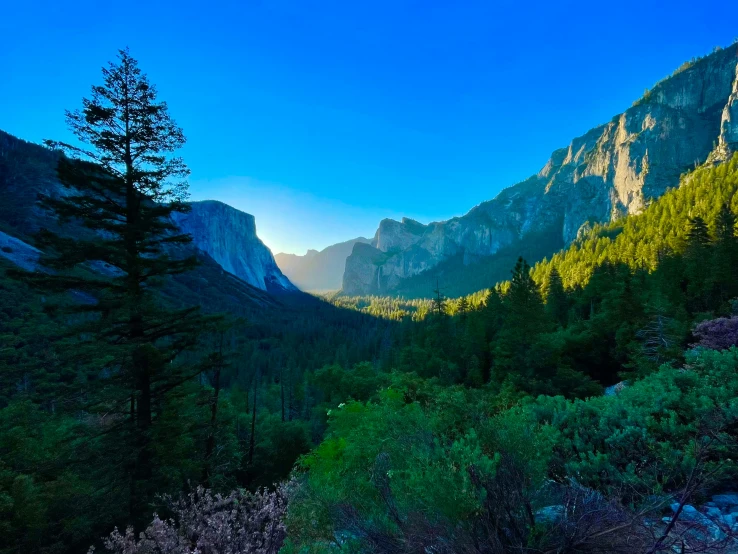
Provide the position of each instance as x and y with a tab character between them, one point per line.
616	388
691	514
550	514
725	500
229	237
610	171
714	513
728	141
20	253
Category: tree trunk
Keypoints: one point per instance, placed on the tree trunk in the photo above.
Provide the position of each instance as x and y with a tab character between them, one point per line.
140	370
290	398
252	438
210	445
281	387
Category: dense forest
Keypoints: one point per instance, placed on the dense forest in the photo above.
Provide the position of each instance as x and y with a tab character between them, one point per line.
160	397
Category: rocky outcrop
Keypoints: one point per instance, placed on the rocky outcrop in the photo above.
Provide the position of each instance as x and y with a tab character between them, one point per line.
18	252
728	142
611	171
318	271
229	237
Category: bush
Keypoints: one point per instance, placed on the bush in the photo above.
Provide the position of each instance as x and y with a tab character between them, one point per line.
204	523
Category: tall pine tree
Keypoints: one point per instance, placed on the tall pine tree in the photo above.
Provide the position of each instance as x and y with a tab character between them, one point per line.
725	255
557	304
524	320
697	264
122	185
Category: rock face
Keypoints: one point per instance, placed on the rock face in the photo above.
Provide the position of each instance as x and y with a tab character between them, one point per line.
225	234
610	171
318	271
229	237
21	254
728	141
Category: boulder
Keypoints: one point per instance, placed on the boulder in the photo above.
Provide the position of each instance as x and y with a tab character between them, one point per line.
707	529
714	513
726	500
550	514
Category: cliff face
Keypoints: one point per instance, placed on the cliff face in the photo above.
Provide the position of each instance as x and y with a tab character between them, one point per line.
318	271
225	234
229	237
610	171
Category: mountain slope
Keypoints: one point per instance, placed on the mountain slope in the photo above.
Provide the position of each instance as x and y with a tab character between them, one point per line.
318	271
643	240
611	171
226	235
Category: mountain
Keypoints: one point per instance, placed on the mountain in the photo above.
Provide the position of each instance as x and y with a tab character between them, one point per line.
224	234
318	271
229	237
645	240
611	171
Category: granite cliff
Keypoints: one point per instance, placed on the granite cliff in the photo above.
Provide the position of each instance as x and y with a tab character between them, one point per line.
318	271
229	237
611	171
226	235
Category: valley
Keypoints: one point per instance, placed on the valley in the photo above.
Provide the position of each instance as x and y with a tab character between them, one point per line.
552	372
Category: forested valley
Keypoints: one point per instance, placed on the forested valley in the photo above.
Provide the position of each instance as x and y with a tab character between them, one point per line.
152	403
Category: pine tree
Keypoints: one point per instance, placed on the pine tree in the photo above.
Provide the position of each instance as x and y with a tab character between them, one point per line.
122	185
698	235
462	308
523	295
658	338
725	255
524	320
699	287
492	313
439	301
725	225
557	304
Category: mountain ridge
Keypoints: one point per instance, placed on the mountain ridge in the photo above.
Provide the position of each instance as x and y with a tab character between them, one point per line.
610	171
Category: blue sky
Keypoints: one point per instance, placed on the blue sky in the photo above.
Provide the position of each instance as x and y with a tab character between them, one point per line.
323	117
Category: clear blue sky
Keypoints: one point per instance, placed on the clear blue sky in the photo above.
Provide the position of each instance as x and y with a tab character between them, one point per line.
322	117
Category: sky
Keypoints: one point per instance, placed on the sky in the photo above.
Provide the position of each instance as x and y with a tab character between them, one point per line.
323	117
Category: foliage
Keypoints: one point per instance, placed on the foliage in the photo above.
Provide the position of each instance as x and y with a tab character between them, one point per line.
124	190
445	468
717	334
207	523
459	425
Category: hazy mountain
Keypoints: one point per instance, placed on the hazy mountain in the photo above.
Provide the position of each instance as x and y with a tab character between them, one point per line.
610	171
318	271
